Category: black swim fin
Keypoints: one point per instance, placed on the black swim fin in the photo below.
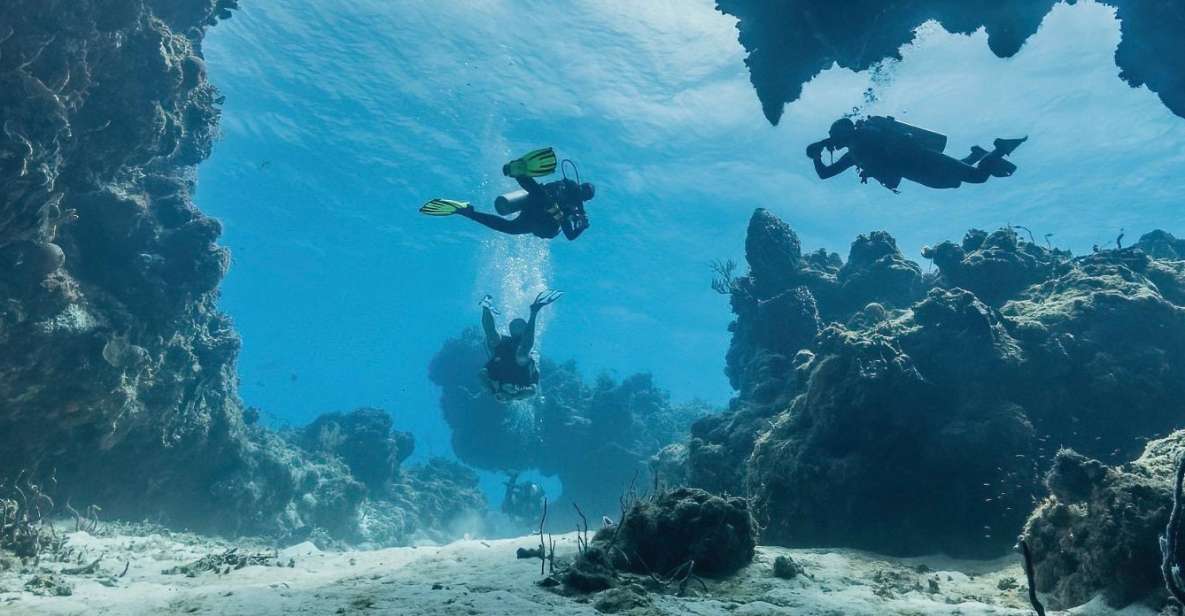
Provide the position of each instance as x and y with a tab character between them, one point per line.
977	154
997	167
1004	147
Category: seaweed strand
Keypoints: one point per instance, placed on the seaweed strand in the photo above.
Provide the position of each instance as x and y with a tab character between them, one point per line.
1028	556
1170	543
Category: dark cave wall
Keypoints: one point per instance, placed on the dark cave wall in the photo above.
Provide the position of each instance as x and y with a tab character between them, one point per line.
884	409
792	41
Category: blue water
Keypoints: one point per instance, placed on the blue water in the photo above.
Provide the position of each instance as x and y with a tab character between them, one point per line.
342	118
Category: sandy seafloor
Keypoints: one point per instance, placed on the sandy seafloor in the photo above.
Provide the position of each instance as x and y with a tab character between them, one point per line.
474	577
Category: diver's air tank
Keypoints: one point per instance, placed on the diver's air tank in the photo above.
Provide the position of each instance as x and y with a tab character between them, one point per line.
927	139
511	202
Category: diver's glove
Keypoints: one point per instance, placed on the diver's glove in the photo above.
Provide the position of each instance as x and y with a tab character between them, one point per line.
814	151
532	165
544	298
487	302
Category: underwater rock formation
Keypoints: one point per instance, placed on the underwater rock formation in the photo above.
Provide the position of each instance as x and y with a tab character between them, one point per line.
1098	529
363	440
438	501
596	438
680	527
789	43
384	505
118	371
910	415
993	266
670	537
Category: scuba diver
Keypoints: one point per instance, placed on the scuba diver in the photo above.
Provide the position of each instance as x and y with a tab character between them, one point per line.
523	501
888	151
543	209
511	373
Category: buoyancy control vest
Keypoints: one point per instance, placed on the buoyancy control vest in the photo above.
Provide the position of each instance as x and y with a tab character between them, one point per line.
503	366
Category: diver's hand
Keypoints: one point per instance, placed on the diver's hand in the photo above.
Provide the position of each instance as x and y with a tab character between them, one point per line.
545	298
814	151
487	302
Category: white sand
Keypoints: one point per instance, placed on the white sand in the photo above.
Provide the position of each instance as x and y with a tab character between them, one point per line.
484	577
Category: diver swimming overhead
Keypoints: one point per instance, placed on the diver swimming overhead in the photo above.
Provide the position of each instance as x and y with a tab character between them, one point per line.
888	151
543	209
511	372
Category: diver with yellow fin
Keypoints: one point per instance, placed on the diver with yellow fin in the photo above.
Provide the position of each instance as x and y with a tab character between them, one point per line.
888	151
511	373
543	209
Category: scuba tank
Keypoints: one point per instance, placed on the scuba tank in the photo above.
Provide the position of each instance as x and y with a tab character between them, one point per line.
515	201
927	139
511	202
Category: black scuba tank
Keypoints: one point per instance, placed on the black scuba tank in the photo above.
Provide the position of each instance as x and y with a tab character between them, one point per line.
927	139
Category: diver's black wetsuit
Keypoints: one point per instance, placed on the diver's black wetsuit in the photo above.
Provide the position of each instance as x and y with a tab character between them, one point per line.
511	372
889	158
503	366
550	208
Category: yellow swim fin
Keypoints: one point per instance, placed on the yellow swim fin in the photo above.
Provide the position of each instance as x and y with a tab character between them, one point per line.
534	164
443	207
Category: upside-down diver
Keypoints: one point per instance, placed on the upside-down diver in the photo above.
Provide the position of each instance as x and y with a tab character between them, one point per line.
511	372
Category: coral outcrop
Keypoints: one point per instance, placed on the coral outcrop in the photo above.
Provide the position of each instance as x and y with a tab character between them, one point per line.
1098	529
912	414
712	535
437	501
597	438
789	43
363	440
371	499
666	539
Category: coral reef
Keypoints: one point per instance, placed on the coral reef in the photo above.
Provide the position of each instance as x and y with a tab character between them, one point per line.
619	424
1097	530
907	414
789	43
